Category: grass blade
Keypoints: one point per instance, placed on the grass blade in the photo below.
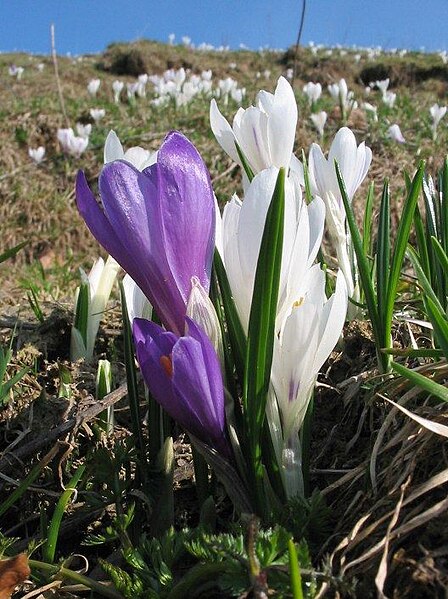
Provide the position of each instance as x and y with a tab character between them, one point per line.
237	337
9	253
444	208
439	391
134	404
49	549
82	310
260	340
247	169
364	268
400	246
383	254
439	323
294	571
367	222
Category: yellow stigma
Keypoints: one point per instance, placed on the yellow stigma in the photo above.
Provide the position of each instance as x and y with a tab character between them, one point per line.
298	302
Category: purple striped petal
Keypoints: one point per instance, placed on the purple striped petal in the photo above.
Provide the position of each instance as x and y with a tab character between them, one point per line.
187	211
159	225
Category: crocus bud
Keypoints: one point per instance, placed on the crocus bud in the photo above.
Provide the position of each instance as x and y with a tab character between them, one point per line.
200	309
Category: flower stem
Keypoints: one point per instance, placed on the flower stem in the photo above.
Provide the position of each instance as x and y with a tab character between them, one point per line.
75	577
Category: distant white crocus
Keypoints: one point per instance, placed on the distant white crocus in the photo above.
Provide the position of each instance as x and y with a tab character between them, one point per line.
237	95
40	66
70	143
319	119
171	38
100	282
264	133
37	154
207	75
137	156
370	109
131	89
97	114
93	86
186	40
354	162
313	91
117	88
16	72
141	88
382	85
289	74
395	134
345	98
389	98
84	130
437	113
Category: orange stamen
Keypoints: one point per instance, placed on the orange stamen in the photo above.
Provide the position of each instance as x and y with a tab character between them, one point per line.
167	365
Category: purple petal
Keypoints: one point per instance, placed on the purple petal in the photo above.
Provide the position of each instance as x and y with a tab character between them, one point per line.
184	376
130	201
187	209
152	343
96	220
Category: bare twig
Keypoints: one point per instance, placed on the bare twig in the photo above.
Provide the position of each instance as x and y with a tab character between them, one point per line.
56	72
9	461
299	35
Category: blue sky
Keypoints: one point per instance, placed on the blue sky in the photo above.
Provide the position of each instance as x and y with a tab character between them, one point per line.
89	25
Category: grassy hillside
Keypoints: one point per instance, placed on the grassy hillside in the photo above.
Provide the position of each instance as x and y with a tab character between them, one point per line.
354	431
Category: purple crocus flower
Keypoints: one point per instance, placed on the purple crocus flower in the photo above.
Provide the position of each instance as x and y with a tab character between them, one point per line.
158	224
184	376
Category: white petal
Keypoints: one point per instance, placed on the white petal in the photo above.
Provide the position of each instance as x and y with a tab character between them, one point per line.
223	131
251	135
331	322
113	150
282	124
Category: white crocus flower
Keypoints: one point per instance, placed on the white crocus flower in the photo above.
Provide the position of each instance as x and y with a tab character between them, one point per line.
100	281
264	133
242	230
307	335
383	85
97	114
37	154
371	109
131	90
137	156
313	91
70	143
354	162
93	86
84	130
437	113
395	134
307	325
117	88
345	98
389	98
319	119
